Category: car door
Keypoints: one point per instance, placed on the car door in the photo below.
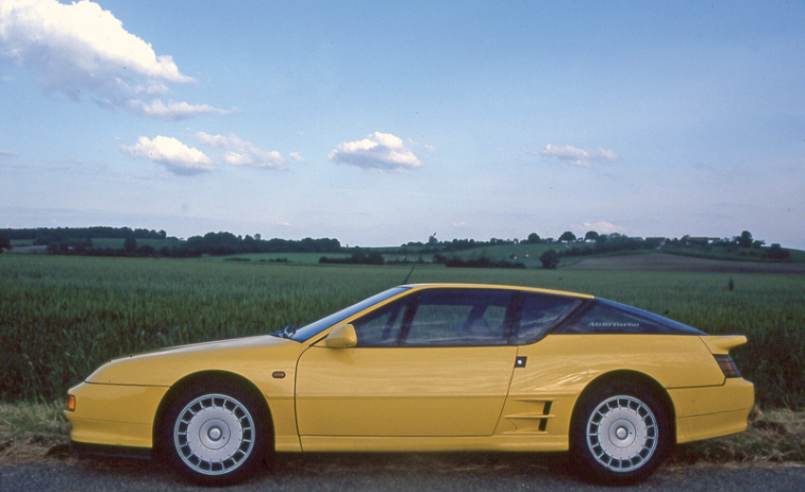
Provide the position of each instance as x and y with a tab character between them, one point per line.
435	363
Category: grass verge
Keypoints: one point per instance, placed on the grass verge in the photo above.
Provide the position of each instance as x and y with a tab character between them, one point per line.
32	431
37	431
774	436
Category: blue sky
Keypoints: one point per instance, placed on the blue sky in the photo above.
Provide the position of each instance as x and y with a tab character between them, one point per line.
380	123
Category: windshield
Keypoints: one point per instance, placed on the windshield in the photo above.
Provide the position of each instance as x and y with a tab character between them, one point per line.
316	327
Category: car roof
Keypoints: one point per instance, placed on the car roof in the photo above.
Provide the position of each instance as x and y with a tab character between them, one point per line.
497	287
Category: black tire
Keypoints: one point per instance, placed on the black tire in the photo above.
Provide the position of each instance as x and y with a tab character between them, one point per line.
621	433
214	433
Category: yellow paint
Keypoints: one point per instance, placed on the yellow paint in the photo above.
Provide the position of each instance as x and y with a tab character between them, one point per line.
335	396
114	414
722	345
342	337
703	413
441	391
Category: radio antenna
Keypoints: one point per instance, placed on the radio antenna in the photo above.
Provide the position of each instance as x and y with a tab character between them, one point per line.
409	275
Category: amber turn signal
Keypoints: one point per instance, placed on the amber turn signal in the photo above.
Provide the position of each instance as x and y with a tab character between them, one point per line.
70	403
727	366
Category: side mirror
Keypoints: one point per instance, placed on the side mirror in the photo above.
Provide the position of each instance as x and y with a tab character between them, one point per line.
343	336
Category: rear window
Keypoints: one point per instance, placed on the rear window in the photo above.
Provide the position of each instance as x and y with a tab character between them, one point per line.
607	317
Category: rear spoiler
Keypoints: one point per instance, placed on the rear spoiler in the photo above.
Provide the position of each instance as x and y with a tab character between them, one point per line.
721	345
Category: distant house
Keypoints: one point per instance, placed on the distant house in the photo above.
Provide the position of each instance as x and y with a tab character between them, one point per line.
700	241
659	240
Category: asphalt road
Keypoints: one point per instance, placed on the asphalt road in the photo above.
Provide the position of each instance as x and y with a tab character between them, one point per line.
391	473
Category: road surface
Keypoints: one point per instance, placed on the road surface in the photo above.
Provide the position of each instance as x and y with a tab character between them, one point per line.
391	473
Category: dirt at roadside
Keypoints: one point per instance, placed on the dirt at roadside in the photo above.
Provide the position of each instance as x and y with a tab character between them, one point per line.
37	447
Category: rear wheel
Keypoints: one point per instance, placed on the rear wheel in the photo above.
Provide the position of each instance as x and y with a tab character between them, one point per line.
621	434
214	433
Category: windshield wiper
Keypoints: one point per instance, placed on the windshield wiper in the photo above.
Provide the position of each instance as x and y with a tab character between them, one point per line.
286	332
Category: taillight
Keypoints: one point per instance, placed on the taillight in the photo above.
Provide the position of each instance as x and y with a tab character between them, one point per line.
727	366
70	403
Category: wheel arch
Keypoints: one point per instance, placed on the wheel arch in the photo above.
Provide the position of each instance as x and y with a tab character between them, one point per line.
190	380
641	379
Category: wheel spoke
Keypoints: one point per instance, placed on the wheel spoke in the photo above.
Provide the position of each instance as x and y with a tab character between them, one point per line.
622	433
213	434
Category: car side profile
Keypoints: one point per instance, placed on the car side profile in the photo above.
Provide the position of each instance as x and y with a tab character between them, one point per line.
436	367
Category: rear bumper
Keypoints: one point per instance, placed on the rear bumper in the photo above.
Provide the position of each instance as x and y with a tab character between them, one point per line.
704	413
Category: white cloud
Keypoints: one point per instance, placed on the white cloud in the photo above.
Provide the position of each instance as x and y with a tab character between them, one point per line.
80	48
6	153
242	153
177	157
601	227
297	156
218	141
578	157
173	111
381	151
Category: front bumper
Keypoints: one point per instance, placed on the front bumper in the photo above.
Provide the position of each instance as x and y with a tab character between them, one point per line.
114	415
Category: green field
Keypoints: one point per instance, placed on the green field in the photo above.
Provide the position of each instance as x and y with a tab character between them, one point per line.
528	254
60	317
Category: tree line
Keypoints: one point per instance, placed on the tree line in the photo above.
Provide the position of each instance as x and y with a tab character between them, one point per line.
43	236
79	241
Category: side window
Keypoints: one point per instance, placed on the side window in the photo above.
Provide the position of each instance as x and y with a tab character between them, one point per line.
460	317
540	314
381	328
613	318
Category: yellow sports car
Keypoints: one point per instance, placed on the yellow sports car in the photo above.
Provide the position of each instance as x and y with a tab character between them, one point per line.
426	368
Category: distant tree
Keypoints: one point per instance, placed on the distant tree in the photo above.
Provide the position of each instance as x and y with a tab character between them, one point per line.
357	258
5	243
533	238
591	236
147	251
130	244
567	236
776	252
549	259
744	240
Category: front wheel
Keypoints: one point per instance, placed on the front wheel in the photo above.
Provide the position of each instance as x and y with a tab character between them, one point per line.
214	433
621	434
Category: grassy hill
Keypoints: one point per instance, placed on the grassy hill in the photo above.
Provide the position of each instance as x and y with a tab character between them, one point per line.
526	253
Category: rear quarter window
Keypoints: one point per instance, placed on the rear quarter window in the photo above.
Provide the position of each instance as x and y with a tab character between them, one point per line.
607	317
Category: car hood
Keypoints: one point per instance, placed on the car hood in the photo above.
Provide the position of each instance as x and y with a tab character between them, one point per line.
234	343
243	356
